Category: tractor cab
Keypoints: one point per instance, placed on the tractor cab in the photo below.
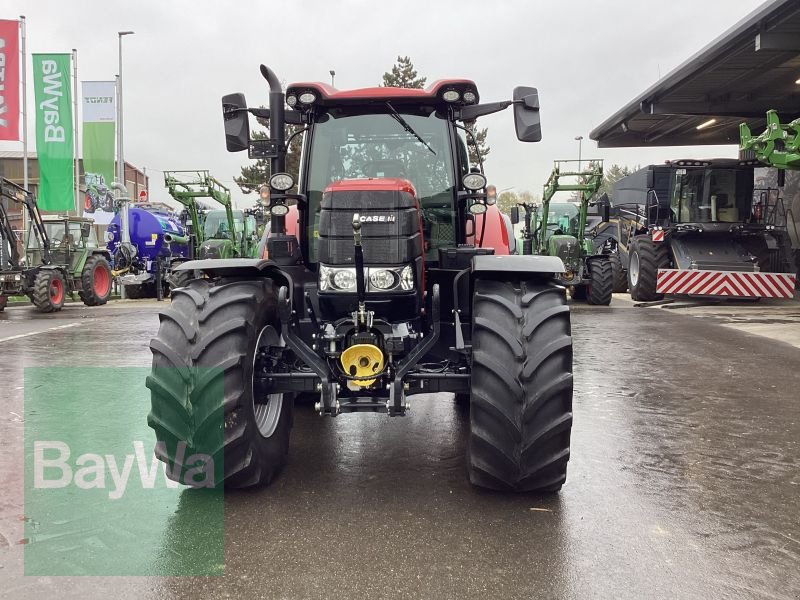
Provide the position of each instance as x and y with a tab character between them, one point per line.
69	238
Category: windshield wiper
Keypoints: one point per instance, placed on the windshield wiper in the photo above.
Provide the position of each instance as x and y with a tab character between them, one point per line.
399	118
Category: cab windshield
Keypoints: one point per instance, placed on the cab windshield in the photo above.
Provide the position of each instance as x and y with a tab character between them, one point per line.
711	195
562	218
349	145
216	226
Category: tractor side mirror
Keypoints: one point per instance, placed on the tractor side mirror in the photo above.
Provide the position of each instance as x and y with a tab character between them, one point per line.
526	114
514	215
651	179
237	123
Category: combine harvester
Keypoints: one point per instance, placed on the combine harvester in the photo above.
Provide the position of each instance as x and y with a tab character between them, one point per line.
699	228
559	229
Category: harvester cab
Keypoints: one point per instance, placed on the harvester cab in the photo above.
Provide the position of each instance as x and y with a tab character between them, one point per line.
372	291
699	227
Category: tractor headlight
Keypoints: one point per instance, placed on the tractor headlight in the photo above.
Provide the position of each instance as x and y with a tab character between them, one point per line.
382	279
451	96
307	98
291	100
281	182
474	181
378	279
407	278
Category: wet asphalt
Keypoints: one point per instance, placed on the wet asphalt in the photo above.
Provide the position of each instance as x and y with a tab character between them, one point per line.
684	480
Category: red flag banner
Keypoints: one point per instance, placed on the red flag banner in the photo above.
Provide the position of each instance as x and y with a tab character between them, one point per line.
9	80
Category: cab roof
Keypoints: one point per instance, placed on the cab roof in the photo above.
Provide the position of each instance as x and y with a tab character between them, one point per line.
327	95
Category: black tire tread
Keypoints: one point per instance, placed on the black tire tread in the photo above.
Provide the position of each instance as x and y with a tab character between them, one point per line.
601	274
620	276
214	327
521	403
41	291
652	257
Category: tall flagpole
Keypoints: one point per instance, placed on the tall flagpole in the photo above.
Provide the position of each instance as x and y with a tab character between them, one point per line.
24	65
75	148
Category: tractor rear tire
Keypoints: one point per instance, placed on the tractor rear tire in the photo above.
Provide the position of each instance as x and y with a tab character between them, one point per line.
521	403
620	275
601	275
49	290
646	258
95	281
207	342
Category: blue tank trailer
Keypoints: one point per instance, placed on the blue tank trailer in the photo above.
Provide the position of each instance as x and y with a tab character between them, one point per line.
158	242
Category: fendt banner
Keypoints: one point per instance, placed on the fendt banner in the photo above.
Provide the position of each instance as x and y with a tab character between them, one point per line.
9	80
54	131
99	124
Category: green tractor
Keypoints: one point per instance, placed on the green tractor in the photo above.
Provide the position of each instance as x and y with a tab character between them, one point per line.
224	233
62	257
559	229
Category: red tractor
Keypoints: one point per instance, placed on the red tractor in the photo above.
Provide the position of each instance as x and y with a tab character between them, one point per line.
379	284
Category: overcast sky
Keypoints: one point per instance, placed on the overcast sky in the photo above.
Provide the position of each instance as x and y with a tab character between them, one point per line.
588	59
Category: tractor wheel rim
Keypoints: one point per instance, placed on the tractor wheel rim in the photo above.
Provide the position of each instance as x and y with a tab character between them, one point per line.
102	281
633	268
56	291
267	414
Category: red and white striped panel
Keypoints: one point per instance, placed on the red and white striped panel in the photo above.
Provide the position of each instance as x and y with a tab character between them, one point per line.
725	283
658	235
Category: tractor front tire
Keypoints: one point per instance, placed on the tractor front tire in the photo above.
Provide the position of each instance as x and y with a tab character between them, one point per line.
95	281
202	386
180	279
521	402
620	275
646	258
601	276
49	290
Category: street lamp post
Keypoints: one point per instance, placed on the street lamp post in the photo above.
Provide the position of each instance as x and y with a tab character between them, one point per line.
120	138
333	74
124	233
579	139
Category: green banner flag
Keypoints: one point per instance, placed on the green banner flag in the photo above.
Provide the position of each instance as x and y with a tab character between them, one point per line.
54	131
99	116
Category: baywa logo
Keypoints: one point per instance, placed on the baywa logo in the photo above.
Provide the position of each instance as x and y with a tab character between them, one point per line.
377	218
52	469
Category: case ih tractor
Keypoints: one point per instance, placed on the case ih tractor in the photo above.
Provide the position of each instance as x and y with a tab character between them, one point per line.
699	228
62	257
376	298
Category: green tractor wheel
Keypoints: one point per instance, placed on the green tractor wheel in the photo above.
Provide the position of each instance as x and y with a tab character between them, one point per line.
49	290
95	281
